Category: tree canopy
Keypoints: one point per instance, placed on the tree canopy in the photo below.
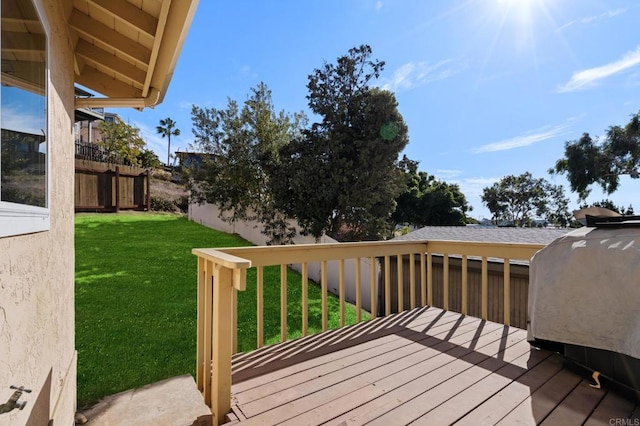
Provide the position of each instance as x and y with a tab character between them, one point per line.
121	141
428	201
245	143
342	175
168	128
519	200
601	161
608	204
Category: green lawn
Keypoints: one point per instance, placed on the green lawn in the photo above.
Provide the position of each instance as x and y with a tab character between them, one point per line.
136	300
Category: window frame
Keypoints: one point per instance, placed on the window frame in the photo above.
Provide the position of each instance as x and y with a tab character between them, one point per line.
19	219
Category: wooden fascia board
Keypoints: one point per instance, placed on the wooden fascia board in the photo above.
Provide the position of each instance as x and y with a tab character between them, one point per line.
175	33
157	42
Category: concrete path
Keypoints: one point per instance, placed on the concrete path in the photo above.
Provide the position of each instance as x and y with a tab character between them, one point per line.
172	402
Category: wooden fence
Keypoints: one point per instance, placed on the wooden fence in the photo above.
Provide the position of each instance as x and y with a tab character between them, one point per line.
108	187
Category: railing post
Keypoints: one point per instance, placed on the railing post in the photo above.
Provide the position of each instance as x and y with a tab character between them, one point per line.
305	299
464	287
260	306
387	286
341	292
373	288
400	283
484	289
283	302
429	279
507	291
323	286
222	343
200	364
445	281
358	291
412	280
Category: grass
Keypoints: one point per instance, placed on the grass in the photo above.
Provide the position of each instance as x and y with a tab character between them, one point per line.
136	300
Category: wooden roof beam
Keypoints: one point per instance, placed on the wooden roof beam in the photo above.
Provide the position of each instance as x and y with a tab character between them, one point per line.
105	84
129	14
94	54
98	31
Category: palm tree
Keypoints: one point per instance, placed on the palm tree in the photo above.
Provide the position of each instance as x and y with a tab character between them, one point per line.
167	128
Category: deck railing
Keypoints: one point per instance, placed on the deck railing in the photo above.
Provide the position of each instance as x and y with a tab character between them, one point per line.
222	272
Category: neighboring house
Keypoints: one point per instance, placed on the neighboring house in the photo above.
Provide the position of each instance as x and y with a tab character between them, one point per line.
88	131
126	52
193	159
487	234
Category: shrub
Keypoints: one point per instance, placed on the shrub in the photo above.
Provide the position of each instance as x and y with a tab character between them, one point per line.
182	203
161	174
159	204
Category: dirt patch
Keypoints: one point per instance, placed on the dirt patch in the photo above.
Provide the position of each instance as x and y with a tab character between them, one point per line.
167	190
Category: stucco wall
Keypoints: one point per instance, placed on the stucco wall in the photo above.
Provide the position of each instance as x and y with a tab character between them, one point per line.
37	270
208	215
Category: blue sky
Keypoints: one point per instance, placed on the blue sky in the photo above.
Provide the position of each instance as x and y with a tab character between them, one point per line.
488	88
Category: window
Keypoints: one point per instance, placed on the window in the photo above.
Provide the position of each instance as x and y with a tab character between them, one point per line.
24	158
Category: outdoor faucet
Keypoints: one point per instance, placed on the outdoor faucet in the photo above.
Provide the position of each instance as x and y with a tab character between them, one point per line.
13	400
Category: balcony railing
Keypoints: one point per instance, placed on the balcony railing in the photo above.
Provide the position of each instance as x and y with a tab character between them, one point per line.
222	272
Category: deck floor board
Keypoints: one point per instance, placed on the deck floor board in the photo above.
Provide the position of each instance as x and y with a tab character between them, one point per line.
424	366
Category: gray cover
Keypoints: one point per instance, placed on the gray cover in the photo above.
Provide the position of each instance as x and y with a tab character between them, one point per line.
584	289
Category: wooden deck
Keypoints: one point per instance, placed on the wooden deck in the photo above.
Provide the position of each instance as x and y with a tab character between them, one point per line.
425	366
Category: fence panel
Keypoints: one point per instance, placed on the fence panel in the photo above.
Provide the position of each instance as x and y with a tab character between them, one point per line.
109	187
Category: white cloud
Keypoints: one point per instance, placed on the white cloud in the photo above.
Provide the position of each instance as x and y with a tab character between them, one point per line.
413	74
585	78
527	139
472	190
185	105
594	18
378	6
19	119
447	174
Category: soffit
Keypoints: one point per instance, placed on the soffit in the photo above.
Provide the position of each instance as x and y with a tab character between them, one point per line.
128	49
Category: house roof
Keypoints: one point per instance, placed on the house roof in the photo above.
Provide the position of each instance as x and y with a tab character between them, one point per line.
127	50
486	234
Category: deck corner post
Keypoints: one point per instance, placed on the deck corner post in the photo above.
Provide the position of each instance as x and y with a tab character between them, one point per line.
222	343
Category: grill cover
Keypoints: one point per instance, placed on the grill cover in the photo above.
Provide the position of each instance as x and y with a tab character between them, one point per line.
584	289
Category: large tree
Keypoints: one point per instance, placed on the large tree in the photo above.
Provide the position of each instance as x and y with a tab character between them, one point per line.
245	143
342	175
121	141
519	200
428	201
168	128
601	161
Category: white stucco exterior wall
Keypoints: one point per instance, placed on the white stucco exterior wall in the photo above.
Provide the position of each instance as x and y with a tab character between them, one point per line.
37	270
